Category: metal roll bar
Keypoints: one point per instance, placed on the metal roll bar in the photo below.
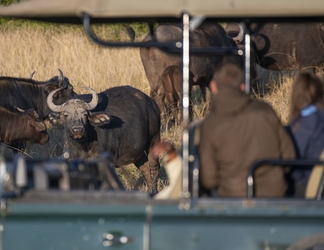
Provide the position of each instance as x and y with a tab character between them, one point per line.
183	48
282	163
168	47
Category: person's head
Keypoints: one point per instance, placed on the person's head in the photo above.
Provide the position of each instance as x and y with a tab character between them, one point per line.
307	90
229	73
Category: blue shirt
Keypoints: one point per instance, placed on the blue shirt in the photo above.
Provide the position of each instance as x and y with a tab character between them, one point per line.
308	135
308	132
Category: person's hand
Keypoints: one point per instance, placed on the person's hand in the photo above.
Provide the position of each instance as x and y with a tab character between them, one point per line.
164	150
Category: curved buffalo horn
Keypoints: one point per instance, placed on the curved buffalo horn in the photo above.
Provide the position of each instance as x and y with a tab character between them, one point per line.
94	101
20	109
240	35
62	83
31	75
36	115
51	105
130	31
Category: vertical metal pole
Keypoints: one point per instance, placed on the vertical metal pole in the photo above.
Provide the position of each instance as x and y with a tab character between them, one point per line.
247	53
185	114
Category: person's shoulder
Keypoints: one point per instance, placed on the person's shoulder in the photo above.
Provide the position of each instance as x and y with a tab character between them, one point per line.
210	118
310	110
195	125
312	113
261	105
205	126
310	119
321	114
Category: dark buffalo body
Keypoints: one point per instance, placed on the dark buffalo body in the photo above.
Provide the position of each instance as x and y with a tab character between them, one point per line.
286	46
23	125
30	94
125	122
164	70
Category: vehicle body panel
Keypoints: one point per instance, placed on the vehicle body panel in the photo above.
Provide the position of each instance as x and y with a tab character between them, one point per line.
56	223
79	219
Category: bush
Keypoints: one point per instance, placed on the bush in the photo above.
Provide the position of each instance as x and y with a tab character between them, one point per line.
8	2
115	30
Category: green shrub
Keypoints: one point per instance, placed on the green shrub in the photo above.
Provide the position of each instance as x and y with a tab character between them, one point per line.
116	31
8	2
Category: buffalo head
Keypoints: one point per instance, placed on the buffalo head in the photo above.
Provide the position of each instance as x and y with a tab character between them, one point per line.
75	114
235	31
35	130
62	83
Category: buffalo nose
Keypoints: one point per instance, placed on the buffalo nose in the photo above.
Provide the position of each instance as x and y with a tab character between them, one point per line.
77	130
44	138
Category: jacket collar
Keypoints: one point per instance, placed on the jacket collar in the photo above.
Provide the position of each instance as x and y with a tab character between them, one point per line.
229	101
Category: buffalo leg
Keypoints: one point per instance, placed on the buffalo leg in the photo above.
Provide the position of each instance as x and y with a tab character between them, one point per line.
169	92
151	175
172	83
159	99
158	96
177	84
320	73
150	171
154	171
157	92
19	147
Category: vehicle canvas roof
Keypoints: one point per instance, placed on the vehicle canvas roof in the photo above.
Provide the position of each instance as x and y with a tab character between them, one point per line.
71	11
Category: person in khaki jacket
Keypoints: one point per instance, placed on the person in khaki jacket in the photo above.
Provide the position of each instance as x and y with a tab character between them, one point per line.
237	132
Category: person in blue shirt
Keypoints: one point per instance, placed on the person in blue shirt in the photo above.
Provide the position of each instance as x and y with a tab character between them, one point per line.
306	124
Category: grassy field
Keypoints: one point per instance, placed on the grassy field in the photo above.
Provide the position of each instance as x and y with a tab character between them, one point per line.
27	48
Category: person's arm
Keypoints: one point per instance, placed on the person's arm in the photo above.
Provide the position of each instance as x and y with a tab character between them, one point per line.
315	143
208	164
286	142
287	146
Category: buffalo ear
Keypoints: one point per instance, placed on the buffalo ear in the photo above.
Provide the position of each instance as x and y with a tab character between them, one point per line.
39	126
20	110
54	118
322	27
99	119
51	87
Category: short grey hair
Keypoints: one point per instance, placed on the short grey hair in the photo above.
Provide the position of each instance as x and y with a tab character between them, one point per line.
229	74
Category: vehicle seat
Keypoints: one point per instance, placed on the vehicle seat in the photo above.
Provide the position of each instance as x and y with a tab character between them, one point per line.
194	162
174	168
315	184
174	173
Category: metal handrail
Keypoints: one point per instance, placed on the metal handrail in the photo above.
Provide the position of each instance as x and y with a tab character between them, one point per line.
175	47
183	48
275	162
247	58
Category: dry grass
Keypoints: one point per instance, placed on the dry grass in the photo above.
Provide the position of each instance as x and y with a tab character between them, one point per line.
278	88
85	64
279	99
26	49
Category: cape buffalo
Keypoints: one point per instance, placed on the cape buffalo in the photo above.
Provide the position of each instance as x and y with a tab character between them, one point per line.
285	46
27	94
164	70
122	120
30	127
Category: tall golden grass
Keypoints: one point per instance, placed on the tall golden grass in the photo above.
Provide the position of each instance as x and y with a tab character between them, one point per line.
26	49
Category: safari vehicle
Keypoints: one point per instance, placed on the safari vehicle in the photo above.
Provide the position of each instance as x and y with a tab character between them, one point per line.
48	210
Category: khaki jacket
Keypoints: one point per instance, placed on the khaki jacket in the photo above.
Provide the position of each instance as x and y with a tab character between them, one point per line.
237	132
